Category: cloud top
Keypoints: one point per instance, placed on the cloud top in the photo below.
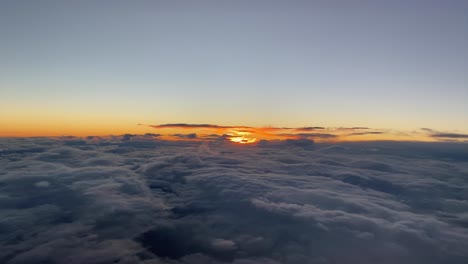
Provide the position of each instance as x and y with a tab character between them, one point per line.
141	199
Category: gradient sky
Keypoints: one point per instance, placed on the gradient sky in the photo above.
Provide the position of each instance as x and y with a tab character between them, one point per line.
97	67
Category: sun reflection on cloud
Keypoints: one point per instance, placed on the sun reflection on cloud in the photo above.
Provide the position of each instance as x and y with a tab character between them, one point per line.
241	137
249	134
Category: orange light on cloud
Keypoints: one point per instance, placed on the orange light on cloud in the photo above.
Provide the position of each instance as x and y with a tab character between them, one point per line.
20	126
249	135
242	137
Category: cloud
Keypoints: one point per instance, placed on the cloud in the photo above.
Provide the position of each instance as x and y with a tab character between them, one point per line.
152	135
301	129
320	134
292	136
316	135
141	199
191	126
223	244
427	129
365	133
191	135
450	135
352	128
444	136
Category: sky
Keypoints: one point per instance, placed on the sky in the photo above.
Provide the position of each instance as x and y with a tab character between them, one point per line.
103	67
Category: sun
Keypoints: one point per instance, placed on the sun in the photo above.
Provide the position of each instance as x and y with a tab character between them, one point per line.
241	137
243	140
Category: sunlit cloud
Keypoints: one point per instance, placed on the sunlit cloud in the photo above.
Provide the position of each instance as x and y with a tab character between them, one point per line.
242	137
249	134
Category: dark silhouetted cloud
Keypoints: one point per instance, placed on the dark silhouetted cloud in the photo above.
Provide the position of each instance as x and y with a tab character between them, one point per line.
449	135
316	135
365	133
352	128
427	129
300	129
191	135
183	125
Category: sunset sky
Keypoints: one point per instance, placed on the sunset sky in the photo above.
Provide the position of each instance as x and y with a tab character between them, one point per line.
103	67
234	131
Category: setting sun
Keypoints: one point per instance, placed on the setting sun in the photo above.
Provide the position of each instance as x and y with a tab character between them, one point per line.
241	137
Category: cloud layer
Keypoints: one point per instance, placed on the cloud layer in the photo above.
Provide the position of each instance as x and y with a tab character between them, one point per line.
139	199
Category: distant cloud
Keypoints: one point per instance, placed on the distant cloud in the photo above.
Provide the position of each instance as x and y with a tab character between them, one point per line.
127	137
300	129
365	133
152	135
183	125
449	135
427	129
287	136
316	135
206	132
352	128
444	135
191	135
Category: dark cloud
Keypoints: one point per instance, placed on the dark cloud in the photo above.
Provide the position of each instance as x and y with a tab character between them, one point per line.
183	125
427	129
352	128
152	135
189	136
146	200
449	135
309	128
21	150
309	135
303	143
445	136
316	135
127	137
365	133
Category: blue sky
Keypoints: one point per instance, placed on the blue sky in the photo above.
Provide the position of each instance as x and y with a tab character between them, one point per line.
383	64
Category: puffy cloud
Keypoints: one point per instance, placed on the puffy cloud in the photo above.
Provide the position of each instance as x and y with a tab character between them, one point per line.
141	199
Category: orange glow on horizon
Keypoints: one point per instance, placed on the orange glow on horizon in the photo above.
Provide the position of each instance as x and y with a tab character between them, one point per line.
100	126
242	137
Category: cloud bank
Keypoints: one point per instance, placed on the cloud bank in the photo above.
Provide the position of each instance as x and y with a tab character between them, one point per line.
317	133
139	199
